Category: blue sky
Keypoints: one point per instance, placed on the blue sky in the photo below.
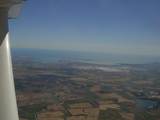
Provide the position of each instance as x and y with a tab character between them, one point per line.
108	26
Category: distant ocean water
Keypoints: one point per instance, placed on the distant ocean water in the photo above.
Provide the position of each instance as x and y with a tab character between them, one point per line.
74	56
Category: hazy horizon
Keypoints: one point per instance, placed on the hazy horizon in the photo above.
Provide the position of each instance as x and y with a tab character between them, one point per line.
44	55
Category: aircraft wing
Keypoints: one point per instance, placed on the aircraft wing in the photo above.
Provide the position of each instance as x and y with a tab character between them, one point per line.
14	7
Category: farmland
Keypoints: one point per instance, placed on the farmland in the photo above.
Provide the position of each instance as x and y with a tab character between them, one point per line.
87	91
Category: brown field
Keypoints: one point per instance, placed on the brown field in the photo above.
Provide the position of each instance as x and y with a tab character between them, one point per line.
80	105
77	118
128	116
58	115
